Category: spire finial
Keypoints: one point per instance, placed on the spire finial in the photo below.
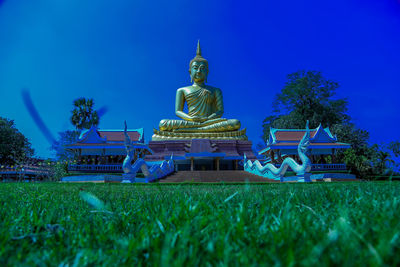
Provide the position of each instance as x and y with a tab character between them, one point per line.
198	57
198	52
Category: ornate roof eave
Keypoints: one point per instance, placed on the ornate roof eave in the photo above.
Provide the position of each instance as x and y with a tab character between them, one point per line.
205	155
336	145
272	137
312	146
328	131
265	150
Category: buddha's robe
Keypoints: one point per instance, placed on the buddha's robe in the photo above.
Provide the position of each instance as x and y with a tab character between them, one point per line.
201	102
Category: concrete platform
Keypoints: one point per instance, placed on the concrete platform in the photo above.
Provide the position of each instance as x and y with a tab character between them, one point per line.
214	177
100	178
243	176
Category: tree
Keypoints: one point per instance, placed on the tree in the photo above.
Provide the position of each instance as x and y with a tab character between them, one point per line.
307	95
395	148
14	146
383	158
83	115
351	134
65	138
358	164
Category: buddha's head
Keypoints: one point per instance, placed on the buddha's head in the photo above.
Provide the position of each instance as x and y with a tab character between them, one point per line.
198	67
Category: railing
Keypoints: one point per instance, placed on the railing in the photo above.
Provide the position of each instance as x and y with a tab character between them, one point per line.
324	167
118	167
96	168
23	170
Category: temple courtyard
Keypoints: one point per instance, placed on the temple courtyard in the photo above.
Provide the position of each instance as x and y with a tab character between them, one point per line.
201	139
88	224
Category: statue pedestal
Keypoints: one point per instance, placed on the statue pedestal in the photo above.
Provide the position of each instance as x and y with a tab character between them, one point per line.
128	178
304	178
202	154
168	136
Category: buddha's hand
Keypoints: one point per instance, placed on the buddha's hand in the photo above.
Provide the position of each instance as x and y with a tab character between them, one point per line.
198	119
216	120
212	116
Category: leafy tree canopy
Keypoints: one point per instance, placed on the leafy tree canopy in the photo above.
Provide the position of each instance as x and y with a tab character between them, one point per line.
307	95
83	115
395	148
14	146
349	133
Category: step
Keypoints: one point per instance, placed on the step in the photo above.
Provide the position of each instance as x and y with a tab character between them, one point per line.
213	176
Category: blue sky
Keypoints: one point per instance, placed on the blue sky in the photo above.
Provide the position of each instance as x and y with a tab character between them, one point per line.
131	56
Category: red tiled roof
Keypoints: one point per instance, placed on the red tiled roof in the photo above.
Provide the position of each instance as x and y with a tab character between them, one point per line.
119	136
105	145
292	135
311	144
97	144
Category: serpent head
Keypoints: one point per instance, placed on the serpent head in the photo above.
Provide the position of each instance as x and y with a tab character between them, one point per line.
128	143
305	141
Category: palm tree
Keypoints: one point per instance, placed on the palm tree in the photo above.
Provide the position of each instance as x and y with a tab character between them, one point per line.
83	115
383	158
395	148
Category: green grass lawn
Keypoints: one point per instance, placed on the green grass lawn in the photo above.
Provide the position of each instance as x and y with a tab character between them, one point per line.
193	225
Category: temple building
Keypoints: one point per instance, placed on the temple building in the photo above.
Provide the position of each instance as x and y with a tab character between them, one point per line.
284	142
104	150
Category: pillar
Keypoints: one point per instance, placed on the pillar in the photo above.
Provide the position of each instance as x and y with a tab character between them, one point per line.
279	156
217	160
191	164
236	164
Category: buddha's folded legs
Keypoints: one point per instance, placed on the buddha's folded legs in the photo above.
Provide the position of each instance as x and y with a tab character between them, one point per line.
170	125
190	126
224	126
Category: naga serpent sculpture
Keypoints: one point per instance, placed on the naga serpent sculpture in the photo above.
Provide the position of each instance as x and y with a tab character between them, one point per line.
272	172
152	173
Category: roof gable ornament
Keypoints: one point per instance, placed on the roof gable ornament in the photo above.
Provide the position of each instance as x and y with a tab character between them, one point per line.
91	136
322	136
272	137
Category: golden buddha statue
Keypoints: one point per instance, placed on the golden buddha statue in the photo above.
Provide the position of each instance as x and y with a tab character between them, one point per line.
205	109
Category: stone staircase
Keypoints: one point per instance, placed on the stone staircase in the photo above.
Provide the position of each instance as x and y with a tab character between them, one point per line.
213	177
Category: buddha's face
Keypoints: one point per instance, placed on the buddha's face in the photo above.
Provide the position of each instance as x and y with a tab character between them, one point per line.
198	71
